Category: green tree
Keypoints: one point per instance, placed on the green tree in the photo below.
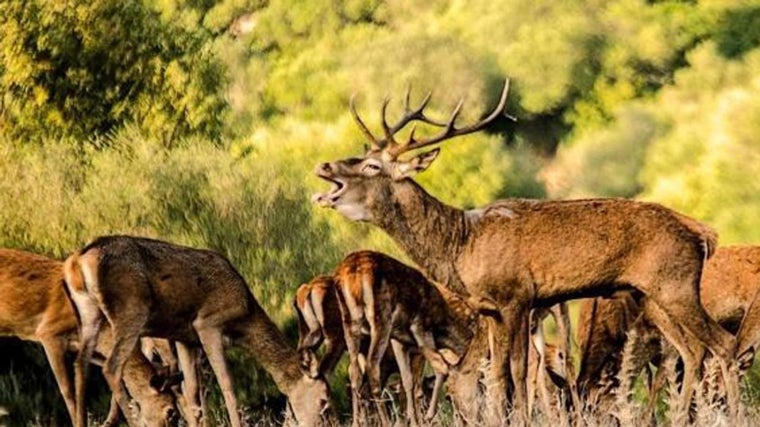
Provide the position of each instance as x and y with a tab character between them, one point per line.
83	68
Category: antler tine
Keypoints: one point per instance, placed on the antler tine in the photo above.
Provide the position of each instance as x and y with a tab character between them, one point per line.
387	130
450	130
374	142
417	114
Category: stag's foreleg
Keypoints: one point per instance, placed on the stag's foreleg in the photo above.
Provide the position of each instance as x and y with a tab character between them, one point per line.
509	347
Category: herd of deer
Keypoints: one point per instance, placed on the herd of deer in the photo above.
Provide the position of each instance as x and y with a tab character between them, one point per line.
474	311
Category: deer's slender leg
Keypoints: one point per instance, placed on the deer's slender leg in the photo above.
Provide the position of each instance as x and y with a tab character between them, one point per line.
211	339
187	362
334	349
352	335
407	379
55	350
681	302
125	343
691	352
380	335
92	320
514	345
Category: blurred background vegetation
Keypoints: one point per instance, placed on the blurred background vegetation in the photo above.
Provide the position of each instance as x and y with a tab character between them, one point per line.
201	122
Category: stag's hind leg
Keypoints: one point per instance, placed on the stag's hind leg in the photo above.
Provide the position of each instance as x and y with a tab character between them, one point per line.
690	350
509	348
683	307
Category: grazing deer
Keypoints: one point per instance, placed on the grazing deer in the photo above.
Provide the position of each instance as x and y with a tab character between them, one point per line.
395	304
728	291
526	253
146	287
34	307
319	321
184	366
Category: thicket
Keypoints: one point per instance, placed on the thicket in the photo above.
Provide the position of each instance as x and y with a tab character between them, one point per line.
149	117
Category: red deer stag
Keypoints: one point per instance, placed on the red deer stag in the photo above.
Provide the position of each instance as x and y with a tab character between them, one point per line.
728	291
146	287
531	253
34	307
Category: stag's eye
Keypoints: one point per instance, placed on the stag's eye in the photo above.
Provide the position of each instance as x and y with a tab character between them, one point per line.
371	168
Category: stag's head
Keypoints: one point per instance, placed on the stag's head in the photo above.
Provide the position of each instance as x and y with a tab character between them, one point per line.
361	185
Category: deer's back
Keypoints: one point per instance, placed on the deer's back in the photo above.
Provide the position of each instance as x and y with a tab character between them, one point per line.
32	296
372	278
177	283
577	244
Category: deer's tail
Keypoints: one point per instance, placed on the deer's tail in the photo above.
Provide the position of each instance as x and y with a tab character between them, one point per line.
72	273
708	235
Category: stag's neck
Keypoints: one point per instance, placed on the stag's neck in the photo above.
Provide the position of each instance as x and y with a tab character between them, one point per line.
261	338
431	232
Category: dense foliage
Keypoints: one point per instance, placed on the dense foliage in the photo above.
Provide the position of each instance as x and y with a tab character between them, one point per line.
154	117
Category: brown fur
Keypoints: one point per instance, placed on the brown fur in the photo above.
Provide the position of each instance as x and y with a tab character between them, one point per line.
147	287
522	254
728	292
395	304
34	307
318	296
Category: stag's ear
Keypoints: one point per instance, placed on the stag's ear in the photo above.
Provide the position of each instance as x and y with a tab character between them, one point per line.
414	165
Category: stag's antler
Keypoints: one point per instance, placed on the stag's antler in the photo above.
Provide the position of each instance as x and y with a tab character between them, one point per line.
393	148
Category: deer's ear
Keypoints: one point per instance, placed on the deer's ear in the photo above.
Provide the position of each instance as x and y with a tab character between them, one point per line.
309	364
414	165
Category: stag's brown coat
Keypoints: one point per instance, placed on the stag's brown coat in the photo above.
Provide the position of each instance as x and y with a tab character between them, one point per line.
522	254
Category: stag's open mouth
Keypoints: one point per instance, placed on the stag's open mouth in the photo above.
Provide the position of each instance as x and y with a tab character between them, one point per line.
329	199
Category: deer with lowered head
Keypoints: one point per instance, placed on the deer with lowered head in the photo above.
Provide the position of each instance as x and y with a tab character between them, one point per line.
179	365
34	307
146	287
729	293
319	322
395	304
531	253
